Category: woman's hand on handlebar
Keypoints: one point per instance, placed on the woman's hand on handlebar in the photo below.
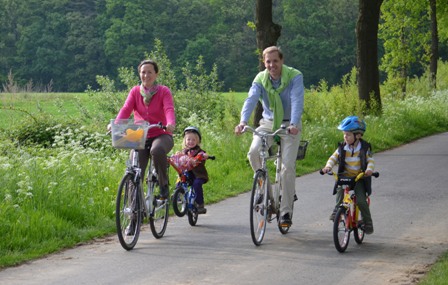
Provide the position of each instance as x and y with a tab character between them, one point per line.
170	128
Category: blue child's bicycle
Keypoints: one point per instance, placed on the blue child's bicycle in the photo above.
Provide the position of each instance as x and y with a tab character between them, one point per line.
184	195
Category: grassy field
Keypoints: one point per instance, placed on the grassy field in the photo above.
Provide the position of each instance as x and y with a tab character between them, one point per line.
56	197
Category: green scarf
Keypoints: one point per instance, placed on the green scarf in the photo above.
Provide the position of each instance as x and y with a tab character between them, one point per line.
147	93
275	102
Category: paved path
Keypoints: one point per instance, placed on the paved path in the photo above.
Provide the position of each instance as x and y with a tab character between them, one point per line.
410	218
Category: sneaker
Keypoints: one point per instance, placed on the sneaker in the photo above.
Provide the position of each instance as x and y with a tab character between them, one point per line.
285	220
333	214
368	228
201	209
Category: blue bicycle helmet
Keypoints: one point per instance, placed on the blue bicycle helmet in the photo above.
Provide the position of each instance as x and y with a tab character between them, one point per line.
194	130
352	124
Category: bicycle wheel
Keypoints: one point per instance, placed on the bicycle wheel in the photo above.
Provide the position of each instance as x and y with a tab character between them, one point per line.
341	235
128	215
179	202
258	207
158	218
193	217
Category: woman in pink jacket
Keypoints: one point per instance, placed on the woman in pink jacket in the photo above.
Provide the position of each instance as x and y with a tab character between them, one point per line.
153	103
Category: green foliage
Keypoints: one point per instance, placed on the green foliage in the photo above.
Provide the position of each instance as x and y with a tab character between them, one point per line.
316	26
334	103
199	95
70	42
404	30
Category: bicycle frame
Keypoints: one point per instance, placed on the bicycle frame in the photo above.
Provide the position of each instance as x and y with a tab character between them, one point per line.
350	203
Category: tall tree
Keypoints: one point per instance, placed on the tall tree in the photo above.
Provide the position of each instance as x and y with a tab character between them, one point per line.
434	55
367	54
319	38
267	35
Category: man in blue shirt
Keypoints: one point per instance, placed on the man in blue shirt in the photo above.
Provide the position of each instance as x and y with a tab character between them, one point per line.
281	92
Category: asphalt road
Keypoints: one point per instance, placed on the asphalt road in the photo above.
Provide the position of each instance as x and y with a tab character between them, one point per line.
409	210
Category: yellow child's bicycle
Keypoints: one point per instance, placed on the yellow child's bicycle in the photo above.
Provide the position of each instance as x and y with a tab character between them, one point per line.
348	217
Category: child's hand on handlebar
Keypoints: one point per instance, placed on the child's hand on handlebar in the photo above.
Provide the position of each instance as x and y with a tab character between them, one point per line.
326	169
368	173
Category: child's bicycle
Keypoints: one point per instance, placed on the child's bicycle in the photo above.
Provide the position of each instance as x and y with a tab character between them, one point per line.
348	217
184	195
133	205
265	198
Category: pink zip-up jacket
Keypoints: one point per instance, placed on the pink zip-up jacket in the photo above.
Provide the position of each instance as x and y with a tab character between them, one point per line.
160	109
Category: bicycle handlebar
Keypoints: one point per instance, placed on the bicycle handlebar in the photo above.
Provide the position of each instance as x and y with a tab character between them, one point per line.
374	174
282	129
158	125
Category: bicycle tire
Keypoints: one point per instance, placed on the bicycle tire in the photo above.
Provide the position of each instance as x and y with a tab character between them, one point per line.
259	207
179	202
341	235
193	217
128	214
158	218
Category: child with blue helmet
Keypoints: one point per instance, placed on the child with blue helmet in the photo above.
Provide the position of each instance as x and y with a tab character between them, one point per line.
354	156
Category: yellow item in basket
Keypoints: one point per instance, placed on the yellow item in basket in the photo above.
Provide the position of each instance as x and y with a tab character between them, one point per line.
134	136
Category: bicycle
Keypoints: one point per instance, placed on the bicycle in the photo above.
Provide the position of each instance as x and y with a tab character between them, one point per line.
184	194
348	216
133	205
265	198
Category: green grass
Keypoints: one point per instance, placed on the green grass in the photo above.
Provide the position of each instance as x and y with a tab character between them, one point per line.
438	273
56	197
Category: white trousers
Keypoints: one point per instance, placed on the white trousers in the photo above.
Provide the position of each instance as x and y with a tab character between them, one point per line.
290	146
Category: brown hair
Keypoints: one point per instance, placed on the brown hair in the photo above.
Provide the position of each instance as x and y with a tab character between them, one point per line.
148	61
273	49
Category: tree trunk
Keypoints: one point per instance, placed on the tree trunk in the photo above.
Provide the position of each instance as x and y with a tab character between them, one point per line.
367	54
434	45
267	35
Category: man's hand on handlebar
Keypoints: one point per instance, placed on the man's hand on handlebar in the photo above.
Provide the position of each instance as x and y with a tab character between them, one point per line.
239	128
293	130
